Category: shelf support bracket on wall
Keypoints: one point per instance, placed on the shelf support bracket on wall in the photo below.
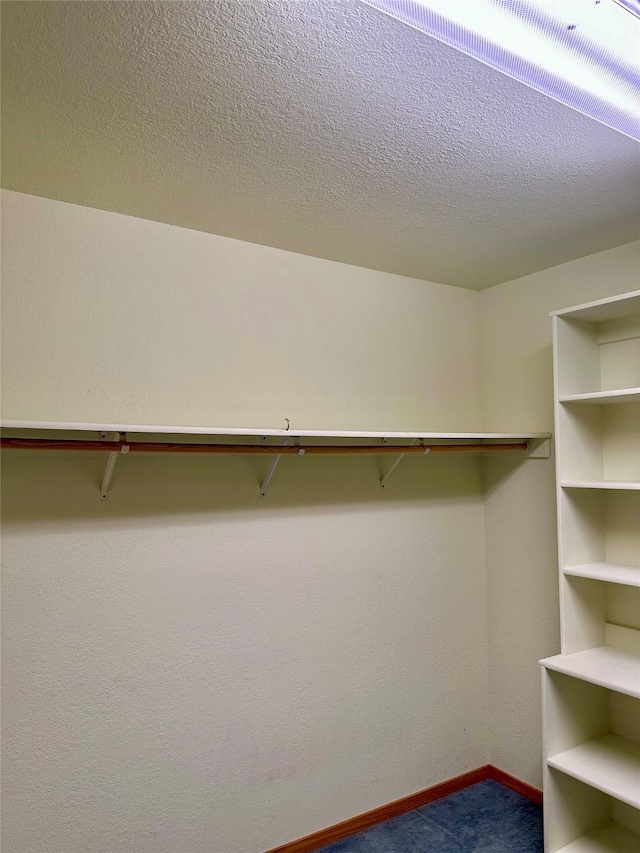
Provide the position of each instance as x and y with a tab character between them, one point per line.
397	461
111	464
272	469
539	448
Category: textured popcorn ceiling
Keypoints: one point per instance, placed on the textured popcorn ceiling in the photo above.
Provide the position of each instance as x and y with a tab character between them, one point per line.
316	126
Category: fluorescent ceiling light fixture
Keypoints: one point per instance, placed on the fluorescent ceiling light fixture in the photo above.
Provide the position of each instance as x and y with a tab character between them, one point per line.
632	6
583	53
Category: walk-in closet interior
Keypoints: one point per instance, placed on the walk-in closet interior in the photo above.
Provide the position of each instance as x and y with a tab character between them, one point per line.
320	426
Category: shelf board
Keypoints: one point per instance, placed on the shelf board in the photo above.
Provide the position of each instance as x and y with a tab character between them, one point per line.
609	572
530	445
630	485
252	431
622	395
612	839
624	305
610	764
607	666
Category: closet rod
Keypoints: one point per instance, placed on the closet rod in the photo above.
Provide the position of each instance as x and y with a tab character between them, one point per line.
253	449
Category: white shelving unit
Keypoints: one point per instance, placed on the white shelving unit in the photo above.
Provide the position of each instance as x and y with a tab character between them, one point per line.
591	691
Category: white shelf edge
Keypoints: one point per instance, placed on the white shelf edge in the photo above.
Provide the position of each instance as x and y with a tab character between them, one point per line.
598	303
612	839
620	395
606	666
629	485
607	572
251	431
610	764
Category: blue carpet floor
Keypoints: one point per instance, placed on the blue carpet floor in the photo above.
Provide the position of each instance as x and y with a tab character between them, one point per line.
484	818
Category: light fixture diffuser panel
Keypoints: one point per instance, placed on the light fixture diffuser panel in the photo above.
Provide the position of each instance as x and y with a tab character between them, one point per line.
582	53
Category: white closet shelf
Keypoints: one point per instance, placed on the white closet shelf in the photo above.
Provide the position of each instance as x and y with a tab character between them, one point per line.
612	839
607	666
116	439
609	572
627	485
611	308
622	395
610	764
253	431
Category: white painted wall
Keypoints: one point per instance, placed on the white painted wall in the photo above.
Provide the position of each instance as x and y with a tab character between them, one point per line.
187	668
184	655
520	517
109	317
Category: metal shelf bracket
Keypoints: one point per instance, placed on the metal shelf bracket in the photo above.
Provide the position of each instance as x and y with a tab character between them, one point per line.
397	461
111	464
539	448
273	465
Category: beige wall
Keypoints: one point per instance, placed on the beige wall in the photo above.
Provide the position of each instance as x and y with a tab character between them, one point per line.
520	519
117	319
186	667
185	655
